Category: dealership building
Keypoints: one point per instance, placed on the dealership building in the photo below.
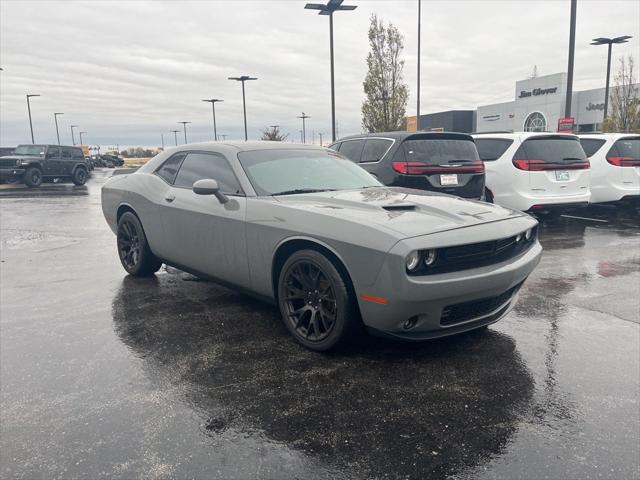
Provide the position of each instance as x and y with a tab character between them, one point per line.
538	104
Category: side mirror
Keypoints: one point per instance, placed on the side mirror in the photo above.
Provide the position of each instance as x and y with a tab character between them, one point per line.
208	186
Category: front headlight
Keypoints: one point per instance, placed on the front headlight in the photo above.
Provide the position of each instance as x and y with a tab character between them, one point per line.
413	261
528	234
429	257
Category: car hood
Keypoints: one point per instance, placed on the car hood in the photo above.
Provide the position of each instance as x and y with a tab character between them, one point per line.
406	212
21	157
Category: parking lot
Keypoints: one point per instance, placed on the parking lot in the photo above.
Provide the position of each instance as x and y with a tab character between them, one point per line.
104	375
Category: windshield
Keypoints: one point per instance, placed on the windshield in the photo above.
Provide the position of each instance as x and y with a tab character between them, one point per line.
30	150
273	172
440	151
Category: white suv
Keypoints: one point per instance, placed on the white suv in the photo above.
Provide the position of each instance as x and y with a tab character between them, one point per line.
540	172
615	166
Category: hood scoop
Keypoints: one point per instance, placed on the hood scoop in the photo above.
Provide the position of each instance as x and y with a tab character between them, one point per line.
400	207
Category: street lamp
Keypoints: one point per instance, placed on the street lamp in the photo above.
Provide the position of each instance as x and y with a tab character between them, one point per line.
320	138
213	108
304	128
243	79
572	48
609	42
175	135
418	84
224	136
81	138
73	139
162	140
55	118
328	9
29	109
184	125
301	135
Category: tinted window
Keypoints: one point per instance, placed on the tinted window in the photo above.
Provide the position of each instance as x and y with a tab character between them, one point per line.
352	149
626	147
558	149
591	145
77	153
374	149
439	151
198	166
30	150
491	149
334	146
275	171
170	167
53	152
67	152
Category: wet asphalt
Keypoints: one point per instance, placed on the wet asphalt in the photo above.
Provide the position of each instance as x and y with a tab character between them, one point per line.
106	376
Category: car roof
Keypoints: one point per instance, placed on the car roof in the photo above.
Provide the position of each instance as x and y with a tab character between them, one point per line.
608	136
403	135
241	146
523	135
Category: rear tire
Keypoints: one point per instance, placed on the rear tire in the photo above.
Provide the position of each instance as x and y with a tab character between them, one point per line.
79	176
134	252
488	196
33	177
315	301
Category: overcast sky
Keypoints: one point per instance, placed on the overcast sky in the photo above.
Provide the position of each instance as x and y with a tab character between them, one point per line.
127	71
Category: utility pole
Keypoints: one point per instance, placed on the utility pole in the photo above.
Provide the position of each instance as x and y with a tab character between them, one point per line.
55	118
29	109
304	129
418	85
572	47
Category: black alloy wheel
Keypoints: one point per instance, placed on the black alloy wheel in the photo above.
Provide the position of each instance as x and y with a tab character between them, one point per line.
33	177
79	176
133	250
315	301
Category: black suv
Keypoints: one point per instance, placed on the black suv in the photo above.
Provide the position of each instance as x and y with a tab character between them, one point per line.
34	164
440	162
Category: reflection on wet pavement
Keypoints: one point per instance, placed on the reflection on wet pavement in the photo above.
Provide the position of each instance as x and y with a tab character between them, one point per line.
102	375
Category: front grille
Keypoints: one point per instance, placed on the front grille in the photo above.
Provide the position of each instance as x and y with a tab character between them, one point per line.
462	312
7	162
474	255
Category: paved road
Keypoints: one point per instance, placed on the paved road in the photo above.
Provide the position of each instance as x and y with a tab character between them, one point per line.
102	375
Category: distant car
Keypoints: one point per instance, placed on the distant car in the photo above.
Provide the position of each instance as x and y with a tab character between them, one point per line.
437	162
34	164
543	173
615	166
111	161
310	231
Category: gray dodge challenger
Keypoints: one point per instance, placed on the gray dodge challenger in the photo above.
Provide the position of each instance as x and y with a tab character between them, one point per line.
309	230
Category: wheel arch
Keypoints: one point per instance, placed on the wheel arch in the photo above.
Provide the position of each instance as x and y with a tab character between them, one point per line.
287	247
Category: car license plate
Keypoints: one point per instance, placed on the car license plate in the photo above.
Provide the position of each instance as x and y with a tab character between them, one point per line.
562	175
449	179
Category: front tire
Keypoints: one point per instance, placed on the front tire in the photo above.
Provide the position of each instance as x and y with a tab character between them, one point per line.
79	176
134	252
315	301
33	177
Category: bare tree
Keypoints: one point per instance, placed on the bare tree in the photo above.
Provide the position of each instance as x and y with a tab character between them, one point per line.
624	101
273	134
386	102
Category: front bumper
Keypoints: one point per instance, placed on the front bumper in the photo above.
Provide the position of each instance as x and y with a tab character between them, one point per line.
430	303
7	173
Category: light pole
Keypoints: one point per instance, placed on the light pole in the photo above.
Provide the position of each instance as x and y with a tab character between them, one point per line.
55	118
572	47
320	138
243	79
162	140
213	109
418	84
609	42
328	9
301	136
29	109
81	138
224	136
175	136
73	139
184	125
304	128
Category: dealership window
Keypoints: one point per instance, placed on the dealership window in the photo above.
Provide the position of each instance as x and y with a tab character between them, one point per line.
198	166
374	149
535	122
491	149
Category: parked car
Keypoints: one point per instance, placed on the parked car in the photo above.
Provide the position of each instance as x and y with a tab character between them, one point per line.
615	162
34	164
545	173
307	229
438	162
111	161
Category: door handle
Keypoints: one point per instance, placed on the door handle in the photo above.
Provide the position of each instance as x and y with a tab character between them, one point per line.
169	197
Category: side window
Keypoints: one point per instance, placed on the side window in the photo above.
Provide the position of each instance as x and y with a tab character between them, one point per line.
53	152
67	153
207	165
169	168
77	154
334	146
352	149
374	149
491	149
591	145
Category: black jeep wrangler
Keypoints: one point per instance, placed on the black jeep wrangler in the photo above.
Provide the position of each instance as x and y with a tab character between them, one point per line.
34	164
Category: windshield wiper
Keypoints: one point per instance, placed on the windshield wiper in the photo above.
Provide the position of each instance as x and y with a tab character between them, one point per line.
304	190
460	161
573	158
